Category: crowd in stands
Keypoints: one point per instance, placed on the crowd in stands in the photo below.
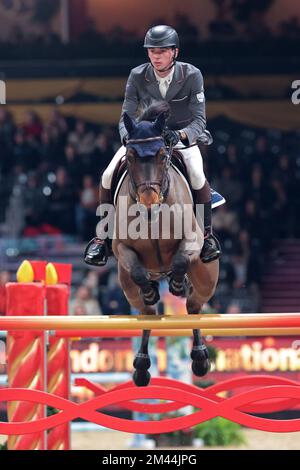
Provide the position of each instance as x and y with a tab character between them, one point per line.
53	167
235	33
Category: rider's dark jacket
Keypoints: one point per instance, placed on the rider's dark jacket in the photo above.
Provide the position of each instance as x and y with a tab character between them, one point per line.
185	96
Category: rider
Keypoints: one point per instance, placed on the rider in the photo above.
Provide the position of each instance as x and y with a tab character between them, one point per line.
181	85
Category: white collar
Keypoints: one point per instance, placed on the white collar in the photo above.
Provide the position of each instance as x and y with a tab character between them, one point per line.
168	77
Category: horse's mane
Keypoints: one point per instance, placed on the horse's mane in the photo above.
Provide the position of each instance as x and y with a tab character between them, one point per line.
154	110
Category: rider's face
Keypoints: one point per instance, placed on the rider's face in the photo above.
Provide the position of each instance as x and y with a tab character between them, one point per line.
161	57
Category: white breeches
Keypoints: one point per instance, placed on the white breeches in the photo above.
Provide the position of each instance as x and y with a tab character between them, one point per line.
109	171
192	159
194	164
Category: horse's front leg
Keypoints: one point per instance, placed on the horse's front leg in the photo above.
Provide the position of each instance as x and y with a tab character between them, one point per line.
148	289
187	253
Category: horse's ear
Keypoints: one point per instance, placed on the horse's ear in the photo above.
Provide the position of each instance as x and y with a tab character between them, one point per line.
129	123
160	122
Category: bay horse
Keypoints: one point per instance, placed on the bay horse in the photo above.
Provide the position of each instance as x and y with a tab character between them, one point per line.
152	182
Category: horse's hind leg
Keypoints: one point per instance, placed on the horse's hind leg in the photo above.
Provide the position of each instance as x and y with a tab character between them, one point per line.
142	362
199	353
204	278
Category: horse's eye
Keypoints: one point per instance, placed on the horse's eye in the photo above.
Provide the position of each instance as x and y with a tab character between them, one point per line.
163	156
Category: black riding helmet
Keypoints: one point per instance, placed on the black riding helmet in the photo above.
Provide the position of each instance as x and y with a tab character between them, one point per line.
161	36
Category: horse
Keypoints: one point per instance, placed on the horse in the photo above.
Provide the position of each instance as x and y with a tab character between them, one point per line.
151	184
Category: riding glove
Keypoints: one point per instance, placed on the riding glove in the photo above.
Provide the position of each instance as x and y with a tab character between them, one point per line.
171	137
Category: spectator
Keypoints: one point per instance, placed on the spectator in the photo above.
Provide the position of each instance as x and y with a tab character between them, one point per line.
32	126
103	151
86	209
7	126
225	222
230	187
79	309
84	303
50	149
114	301
73	164
240	267
92	282
233	308
21	151
82	140
250	219
279	209
58	121
63	201
34	204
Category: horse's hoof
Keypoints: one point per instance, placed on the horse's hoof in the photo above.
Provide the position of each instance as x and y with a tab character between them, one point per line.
151	296
180	288
141	378
142	362
201	368
199	353
201	362
177	289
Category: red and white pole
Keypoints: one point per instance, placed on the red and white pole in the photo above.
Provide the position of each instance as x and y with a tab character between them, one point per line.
58	280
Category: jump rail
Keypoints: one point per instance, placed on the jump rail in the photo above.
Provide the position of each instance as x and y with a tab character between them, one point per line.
208	321
167	333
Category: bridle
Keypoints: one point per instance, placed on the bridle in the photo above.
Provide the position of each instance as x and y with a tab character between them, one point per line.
163	184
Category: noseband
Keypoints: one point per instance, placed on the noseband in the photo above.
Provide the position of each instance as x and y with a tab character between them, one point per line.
146	185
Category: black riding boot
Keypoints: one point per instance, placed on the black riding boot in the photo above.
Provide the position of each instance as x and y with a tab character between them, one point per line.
211	249
98	250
